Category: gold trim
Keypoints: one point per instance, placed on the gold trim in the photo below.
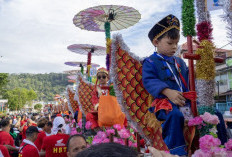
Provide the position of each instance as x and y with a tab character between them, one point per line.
161	25
164	31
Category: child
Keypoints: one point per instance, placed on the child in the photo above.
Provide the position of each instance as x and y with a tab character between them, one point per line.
165	77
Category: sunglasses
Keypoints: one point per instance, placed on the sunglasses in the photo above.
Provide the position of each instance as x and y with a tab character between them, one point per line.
103	77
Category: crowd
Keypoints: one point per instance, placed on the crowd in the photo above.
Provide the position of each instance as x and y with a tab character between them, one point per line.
45	135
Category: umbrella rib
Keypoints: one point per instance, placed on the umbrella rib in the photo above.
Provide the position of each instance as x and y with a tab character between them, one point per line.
131	20
119	24
87	25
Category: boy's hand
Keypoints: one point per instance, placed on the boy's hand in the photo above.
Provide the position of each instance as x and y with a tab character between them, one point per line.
175	96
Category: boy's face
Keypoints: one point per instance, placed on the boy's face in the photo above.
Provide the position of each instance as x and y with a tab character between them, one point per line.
166	46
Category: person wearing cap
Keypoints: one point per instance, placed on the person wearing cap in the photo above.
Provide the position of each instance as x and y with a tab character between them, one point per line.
28	148
55	145
165	77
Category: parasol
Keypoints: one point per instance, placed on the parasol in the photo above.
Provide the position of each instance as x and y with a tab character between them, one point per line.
77	64
89	50
71	72
106	18
72	77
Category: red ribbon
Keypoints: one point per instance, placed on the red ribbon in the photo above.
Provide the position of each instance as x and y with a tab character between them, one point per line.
164	104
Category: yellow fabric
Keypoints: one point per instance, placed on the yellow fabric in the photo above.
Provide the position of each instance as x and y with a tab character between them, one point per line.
109	111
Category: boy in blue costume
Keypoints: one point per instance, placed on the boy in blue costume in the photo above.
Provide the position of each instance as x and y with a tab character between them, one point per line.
165	77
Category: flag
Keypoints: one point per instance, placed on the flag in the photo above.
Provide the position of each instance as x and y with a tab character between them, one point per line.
214	5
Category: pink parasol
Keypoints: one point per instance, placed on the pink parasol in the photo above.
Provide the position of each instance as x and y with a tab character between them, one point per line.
94	18
76	64
106	18
71	72
72	77
89	50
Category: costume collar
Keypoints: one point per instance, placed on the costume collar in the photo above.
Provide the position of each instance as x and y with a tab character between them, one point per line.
169	59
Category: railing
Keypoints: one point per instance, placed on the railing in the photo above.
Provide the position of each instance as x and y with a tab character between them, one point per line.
222	107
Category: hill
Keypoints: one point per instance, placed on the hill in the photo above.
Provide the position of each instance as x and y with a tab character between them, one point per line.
45	85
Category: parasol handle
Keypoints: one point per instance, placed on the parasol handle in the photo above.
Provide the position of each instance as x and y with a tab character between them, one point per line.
89	63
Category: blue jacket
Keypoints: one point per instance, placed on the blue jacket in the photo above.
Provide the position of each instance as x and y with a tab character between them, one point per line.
157	76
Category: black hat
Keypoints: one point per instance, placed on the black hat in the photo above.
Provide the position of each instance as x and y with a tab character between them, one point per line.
166	24
32	129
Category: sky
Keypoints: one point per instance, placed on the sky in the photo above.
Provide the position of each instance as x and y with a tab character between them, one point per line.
34	34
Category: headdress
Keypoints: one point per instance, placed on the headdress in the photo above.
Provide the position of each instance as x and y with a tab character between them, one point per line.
163	26
104	70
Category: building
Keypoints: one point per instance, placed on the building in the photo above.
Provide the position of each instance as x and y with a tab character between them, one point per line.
223	79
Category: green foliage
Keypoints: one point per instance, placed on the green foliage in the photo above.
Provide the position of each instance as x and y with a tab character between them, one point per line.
38	106
46	86
18	97
112	92
188	18
89	139
3	81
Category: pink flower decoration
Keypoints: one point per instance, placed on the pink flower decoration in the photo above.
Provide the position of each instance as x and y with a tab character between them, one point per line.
106	140
110	131
208	118
124	133
195	121
119	140
88	125
96	141
220	152
131	144
117	126
80	124
228	145
200	153
101	135
208	142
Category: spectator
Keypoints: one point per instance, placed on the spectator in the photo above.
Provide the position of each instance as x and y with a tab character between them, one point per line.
3	151
24	127
5	137
28	148
48	129
41	135
75	144
55	145
108	150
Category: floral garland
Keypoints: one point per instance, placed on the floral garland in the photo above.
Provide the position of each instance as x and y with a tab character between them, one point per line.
108	44
205	67
188	18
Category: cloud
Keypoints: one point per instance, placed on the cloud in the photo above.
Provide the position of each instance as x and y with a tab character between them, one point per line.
34	35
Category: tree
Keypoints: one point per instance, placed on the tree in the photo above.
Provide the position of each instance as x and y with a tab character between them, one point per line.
31	95
18	97
3	81
38	106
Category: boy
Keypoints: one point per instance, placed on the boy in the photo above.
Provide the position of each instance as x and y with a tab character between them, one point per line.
165	77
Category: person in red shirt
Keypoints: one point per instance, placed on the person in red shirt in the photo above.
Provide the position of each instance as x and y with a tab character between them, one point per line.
5	137
4	151
28	148
55	145
41	135
24	128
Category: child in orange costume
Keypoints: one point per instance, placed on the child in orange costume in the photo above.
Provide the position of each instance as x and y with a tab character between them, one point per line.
107	110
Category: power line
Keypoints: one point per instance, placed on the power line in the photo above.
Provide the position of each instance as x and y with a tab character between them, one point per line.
225	45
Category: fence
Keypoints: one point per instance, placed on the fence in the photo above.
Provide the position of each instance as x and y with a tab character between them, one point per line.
222	107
